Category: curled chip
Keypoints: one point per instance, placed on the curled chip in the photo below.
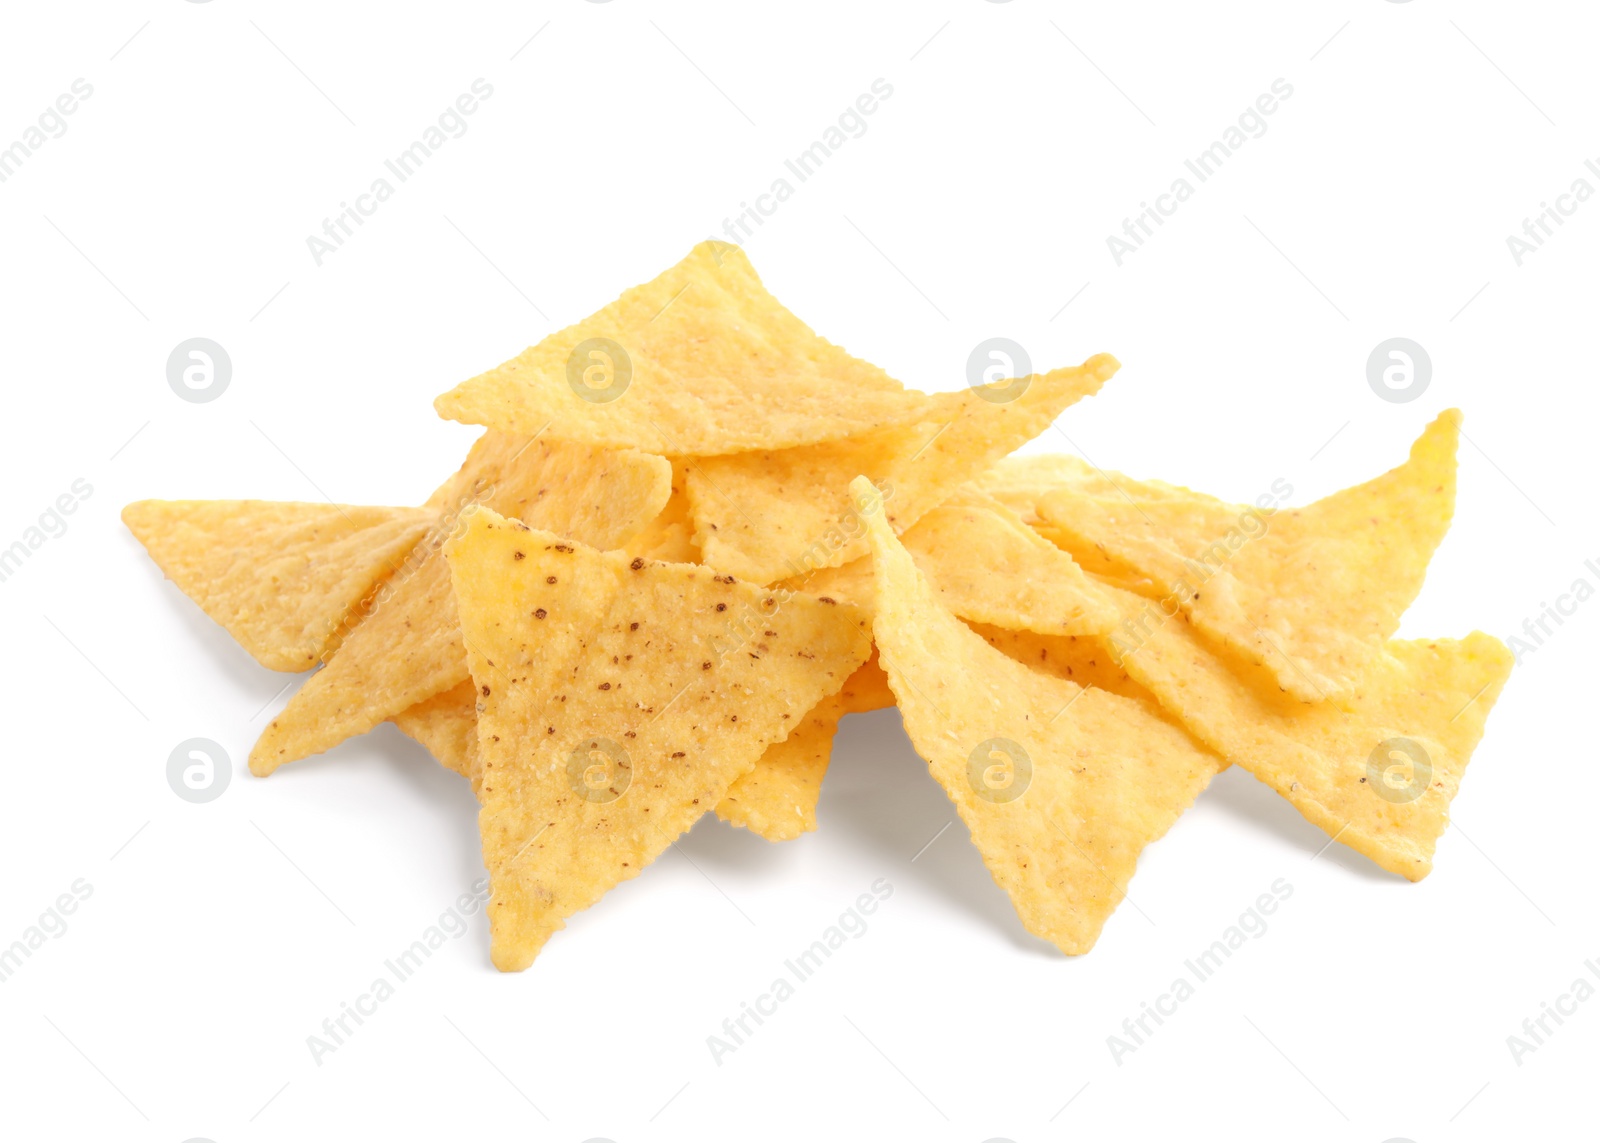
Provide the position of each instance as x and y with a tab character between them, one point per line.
1060	785
618	703
699	362
1310	593
670	536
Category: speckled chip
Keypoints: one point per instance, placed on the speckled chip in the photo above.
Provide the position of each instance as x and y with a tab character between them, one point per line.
618	700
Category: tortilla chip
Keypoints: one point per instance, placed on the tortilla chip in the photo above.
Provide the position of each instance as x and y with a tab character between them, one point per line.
766	516
285	579
1310	593
699	362
1433	693
1060	785
409	648
613	715
777	799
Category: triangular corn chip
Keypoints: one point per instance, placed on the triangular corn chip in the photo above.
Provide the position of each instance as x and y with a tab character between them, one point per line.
613	712
766	516
409	648
699	362
1310	593
1061	786
286	580
1415	716
986	566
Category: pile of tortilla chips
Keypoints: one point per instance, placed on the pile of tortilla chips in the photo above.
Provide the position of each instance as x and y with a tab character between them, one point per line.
696	535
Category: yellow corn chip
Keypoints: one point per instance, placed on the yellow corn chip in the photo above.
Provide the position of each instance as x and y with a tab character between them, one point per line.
777	799
284	579
409	648
766	516
1310	593
986	566
614	713
699	362
1376	770
1061	786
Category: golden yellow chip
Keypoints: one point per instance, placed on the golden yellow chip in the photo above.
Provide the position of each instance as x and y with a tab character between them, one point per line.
284	579
615	710
699	362
766	516
1060	785
986	566
1376	770
409	648
1310	593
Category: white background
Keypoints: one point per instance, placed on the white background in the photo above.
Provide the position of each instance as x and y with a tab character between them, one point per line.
977	204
